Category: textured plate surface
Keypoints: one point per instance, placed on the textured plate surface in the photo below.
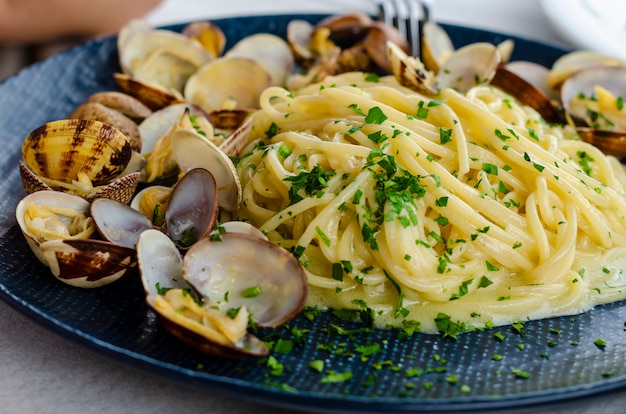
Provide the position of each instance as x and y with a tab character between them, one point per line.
477	372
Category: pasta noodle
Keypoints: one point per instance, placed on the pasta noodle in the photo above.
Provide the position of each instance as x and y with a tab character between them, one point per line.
465	207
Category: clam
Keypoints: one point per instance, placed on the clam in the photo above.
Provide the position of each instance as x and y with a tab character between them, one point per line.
192	210
84	157
235	226
594	97
227	83
159	123
118	223
121	102
153	96
188	317
109	116
58	228
349	42
593	101
240	270
534	73
160	164
572	62
50	215
271	51
411	72
88	263
139	46
209	35
152	202
526	93
436	46
299	35
192	150
165	69
468	66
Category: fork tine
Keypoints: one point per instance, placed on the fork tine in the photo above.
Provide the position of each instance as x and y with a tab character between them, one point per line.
408	17
386	11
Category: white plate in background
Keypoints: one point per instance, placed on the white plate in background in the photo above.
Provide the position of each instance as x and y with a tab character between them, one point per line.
590	24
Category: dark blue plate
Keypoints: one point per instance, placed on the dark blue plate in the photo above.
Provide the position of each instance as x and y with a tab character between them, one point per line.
479	371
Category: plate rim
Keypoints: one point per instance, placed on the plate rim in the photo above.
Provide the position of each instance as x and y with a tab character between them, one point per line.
262	392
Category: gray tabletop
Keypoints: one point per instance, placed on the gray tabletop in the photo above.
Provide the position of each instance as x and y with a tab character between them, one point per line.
42	372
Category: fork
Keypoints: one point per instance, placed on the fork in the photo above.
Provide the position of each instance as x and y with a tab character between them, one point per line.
408	16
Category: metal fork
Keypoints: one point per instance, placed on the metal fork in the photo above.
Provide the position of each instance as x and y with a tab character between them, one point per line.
408	16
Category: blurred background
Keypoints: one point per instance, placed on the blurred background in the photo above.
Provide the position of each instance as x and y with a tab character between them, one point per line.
591	24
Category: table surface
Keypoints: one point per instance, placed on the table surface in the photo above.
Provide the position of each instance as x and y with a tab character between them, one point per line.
44	373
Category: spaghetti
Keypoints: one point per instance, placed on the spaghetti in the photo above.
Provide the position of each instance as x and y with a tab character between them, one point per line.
466	207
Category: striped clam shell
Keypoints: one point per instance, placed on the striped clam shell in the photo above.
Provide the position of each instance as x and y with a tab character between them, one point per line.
59	150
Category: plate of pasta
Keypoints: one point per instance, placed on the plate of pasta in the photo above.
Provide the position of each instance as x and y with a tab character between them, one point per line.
471	257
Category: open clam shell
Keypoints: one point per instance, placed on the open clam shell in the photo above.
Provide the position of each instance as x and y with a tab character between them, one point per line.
271	51
192	209
469	66
250	272
581	99
160	262
50	215
244	227
437	46
140	45
88	263
192	150
410	72
153	96
209	35
118	223
228	82
181	312
58	229
526	93
572	62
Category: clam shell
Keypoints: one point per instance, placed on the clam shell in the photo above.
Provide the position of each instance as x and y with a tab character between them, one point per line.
209	35
299	33
99	112
436	46
375	44
160	265
269	50
240	227
166	70
228	82
526	93
59	150
572	62
192	209
410	72
612	79
88	263
138	46
160	262
192	150
609	142
234	143
238	262
121	102
51	199
153	96
118	223
469	66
